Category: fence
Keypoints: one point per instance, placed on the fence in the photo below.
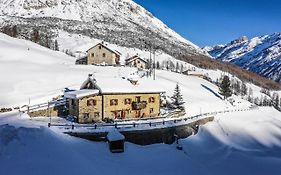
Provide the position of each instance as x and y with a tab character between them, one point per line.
149	124
44	105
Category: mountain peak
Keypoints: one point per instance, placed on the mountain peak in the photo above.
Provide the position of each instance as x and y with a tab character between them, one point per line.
261	54
121	22
240	40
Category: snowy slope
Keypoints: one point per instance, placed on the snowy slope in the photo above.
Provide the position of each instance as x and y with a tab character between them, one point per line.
235	143
38	74
117	21
261	54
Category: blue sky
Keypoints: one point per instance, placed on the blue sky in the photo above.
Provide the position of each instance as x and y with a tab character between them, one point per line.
210	22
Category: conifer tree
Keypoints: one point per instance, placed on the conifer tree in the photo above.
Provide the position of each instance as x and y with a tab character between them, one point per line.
224	88
244	89
56	46
178	102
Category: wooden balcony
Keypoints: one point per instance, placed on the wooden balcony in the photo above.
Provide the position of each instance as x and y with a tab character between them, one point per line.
139	105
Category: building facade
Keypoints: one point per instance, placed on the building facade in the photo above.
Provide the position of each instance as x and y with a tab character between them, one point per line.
136	61
101	54
91	104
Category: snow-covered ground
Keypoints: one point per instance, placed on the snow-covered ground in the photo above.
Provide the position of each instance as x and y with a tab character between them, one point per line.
235	143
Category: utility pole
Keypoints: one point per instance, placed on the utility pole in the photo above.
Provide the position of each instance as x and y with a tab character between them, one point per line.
49	115
154	72
150	58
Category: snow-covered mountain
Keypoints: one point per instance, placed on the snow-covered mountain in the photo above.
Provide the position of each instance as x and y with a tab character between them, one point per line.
121	22
261	54
234	143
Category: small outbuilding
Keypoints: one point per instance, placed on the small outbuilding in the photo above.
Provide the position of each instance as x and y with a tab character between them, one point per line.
115	141
136	61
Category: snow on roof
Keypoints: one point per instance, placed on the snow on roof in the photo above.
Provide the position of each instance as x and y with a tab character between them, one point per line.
81	93
123	85
114	135
134	58
105	46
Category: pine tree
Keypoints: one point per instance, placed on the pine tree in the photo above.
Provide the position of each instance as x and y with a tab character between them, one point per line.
56	46
225	87
14	31
181	69
46	44
35	36
244	89
177	67
157	65
178	102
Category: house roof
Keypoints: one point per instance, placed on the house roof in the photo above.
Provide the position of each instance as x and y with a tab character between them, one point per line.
111	50
81	93
131	59
119	85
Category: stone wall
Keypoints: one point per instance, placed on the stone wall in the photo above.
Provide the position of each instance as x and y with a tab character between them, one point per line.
94	112
129	112
52	111
147	137
95	55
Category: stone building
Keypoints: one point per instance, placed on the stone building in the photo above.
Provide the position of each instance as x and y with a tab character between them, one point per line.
114	98
136	61
101	54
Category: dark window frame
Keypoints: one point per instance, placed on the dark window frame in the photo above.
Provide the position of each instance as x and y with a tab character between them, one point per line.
113	102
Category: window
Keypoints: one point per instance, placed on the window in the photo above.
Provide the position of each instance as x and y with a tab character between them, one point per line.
128	101
91	102
151	100
93	55
138	61
113	102
103	55
96	114
138	99
99	46
72	102
151	110
86	115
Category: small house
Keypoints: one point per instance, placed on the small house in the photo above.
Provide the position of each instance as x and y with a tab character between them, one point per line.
102	54
115	141
108	99
136	61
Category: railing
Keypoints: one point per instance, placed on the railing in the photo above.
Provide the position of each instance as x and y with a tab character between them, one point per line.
139	105
50	104
149	124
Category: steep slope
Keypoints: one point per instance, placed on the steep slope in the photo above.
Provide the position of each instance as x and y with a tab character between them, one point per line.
121	22
261	54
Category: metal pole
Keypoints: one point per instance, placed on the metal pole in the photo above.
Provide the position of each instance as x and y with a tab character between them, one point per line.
154	66
150	60
49	112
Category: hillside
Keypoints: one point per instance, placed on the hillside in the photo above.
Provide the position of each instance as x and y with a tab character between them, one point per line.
261	55
235	143
42	74
121	22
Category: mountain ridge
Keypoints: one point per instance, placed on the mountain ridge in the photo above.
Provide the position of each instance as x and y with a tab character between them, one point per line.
261	55
120	22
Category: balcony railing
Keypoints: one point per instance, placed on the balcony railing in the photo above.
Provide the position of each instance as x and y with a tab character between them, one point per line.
139	105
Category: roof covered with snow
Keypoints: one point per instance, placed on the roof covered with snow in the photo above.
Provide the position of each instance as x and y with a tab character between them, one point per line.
134	58
126	85
106	47
114	135
115	85
81	93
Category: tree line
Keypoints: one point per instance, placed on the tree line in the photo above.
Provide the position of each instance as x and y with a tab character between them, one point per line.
228	87
36	36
